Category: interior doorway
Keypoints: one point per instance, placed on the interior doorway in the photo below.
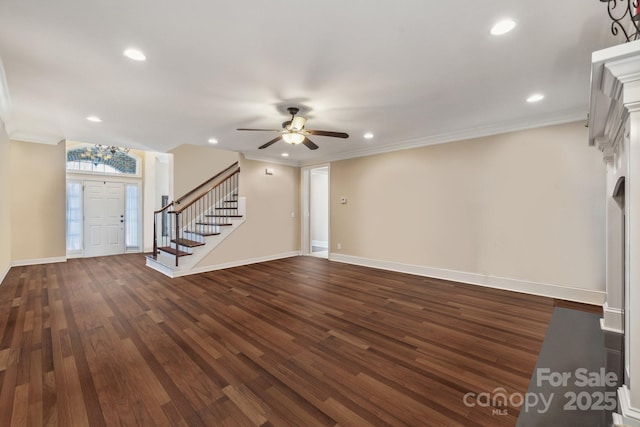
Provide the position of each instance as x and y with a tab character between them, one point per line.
315	184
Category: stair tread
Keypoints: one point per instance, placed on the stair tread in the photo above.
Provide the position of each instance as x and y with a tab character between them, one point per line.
227	208
216	224
173	251
224	216
187	242
202	233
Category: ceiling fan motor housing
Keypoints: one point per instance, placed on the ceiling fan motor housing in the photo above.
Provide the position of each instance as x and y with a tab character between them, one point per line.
294	132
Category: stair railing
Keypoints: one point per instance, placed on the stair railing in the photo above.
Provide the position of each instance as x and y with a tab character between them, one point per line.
199	213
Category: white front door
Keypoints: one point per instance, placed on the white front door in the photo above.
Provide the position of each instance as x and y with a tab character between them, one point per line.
103	218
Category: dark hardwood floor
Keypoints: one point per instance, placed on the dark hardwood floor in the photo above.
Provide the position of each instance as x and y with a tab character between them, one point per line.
301	341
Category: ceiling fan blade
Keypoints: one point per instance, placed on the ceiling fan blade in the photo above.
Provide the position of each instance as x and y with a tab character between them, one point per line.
327	133
273	141
261	130
309	144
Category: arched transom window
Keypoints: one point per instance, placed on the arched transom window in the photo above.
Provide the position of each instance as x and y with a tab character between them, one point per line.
93	159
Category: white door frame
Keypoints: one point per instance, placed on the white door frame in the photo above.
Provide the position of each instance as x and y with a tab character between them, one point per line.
305	185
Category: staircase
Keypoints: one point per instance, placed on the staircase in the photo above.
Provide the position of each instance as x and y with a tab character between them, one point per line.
190	227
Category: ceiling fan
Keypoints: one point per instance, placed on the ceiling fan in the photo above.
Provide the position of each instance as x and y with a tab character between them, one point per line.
293	132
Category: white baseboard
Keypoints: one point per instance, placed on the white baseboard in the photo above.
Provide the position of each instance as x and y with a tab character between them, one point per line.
587	296
37	261
630	415
205	269
612	319
4	273
320	243
76	255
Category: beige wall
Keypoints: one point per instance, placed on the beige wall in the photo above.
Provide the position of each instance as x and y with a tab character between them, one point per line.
5	195
194	164
269	229
37	175
524	205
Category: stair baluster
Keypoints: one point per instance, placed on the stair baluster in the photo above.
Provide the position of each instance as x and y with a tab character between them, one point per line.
196	215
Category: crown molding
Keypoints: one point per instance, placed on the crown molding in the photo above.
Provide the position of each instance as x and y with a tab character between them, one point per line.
35	137
461	135
5	100
568	116
267	159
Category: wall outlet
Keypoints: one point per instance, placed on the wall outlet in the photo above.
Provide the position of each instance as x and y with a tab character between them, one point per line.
339	245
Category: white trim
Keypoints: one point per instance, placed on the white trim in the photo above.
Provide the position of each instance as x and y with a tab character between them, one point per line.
76	255
461	135
178	273
37	261
320	243
259	157
620	421
5	99
605	328
612	320
568	116
631	415
36	138
587	296
305	193
4	274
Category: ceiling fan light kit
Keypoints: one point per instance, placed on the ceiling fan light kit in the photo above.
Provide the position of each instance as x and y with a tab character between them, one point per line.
293	138
293	132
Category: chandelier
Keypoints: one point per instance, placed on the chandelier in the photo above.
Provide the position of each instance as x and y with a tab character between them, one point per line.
625	15
103	153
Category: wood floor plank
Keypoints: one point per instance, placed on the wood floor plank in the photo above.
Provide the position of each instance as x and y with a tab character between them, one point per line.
36	389
20	413
298	341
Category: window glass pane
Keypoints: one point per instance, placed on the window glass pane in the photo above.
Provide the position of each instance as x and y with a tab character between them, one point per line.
74	216
132	216
90	159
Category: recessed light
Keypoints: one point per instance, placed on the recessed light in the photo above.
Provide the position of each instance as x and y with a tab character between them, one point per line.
134	54
212	141
285	154
367	135
536	97
94	119
503	27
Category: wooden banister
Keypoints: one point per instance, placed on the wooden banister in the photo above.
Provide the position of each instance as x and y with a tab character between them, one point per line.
162	209
218	175
192	217
202	193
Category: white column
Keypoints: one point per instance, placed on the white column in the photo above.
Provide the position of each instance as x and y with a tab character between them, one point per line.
631	396
613	320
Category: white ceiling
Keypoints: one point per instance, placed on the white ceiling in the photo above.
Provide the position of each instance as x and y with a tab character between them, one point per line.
412	72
